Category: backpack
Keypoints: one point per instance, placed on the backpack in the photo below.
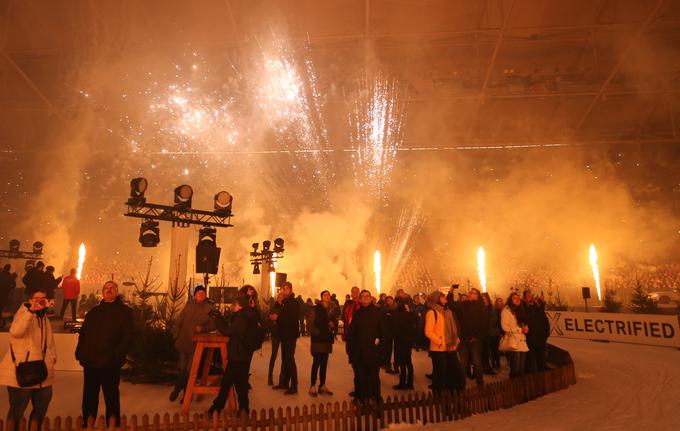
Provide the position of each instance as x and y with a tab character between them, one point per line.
255	335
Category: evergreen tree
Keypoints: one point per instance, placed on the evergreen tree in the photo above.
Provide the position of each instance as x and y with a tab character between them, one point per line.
611	305
641	302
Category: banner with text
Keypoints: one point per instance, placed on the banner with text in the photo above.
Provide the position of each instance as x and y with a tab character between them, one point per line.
658	330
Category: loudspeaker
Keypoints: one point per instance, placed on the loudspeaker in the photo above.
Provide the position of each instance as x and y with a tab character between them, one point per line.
207	258
586	292
281	278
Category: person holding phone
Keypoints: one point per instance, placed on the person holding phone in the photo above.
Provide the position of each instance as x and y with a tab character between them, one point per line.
30	339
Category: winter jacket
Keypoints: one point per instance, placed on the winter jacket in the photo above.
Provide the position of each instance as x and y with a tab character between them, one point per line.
473	318
235	329
33	280
183	331
29	333
289	319
318	327
106	335
405	332
50	284
512	331
363	337
539	325
71	287
434	330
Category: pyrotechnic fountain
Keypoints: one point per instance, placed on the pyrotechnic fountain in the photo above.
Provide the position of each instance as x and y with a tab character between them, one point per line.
377	269
81	260
481	267
596	271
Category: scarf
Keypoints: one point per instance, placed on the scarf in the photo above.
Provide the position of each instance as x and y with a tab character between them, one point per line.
450	328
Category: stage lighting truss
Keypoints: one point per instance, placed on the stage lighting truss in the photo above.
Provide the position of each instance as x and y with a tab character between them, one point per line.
267	255
14	252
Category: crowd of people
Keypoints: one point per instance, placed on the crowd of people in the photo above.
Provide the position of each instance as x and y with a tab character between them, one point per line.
465	336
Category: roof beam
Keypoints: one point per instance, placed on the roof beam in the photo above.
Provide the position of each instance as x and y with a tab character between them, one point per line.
617	66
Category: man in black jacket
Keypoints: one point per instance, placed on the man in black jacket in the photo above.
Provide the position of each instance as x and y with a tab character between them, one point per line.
7	285
539	331
238	357
50	282
288	326
33	279
102	347
363	346
474	325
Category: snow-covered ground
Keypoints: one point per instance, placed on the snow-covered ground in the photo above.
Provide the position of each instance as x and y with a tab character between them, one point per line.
620	387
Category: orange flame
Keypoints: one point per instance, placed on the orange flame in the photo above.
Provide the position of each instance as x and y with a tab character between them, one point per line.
596	271
81	260
481	268
377	268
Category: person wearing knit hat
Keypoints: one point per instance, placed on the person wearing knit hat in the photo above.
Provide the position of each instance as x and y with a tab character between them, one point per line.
194	319
442	331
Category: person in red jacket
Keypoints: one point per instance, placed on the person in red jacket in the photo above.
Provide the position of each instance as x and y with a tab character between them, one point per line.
71	287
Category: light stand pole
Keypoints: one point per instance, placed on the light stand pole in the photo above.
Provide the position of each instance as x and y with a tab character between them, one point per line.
264	262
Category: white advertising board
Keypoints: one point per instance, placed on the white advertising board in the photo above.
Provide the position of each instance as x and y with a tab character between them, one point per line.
658	330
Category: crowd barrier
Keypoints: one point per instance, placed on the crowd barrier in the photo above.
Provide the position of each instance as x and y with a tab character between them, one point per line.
412	408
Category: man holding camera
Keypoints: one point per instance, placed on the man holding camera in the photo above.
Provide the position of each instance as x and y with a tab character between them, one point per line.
103	344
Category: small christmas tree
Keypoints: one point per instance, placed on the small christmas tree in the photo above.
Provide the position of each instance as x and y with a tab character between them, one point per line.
611	305
641	302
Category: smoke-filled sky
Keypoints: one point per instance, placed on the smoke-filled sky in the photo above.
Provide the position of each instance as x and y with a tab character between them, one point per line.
350	146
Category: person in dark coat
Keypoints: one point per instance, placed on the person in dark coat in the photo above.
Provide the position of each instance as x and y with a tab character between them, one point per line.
7	285
103	344
194	319
419	310
320	326
539	331
33	279
50	283
288	325
405	330
274	311
389	307
474	326
352	305
238	357
364	336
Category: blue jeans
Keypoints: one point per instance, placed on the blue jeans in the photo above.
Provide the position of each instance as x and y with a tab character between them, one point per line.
18	401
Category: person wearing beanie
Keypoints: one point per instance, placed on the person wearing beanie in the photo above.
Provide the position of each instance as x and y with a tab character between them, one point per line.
194	319
442	331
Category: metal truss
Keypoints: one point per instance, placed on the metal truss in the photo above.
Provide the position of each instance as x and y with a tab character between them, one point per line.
177	215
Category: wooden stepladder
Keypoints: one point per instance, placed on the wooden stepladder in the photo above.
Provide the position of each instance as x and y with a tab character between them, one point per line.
209	383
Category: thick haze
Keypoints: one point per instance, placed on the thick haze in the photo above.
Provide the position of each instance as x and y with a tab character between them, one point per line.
313	151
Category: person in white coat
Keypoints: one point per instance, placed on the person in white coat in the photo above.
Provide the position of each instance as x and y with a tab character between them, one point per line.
30	339
514	341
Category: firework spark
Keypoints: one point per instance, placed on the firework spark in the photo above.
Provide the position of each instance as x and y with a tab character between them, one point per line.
376	134
481	267
377	269
81	260
596	271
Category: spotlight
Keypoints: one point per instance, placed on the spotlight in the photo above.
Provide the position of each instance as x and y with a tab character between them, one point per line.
278	245
37	247
266	245
149	234
137	188
29	264
255	246
256	268
207	236
183	196
223	204
14	246
207	252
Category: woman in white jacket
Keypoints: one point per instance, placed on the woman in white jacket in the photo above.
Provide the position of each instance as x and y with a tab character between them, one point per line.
30	339
514	341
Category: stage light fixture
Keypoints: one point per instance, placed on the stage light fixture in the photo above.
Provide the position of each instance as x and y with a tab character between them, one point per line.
266	245
255	247
278	245
14	245
207	236
256	268
223	204
37	247
149	233
138	187
183	195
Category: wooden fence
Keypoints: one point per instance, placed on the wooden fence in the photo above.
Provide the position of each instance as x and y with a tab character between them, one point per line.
422	408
